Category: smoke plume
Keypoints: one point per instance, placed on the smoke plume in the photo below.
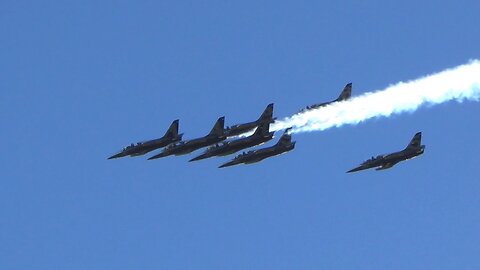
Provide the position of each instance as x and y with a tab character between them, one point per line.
459	83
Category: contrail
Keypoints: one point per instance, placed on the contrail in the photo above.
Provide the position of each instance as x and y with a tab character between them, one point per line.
459	83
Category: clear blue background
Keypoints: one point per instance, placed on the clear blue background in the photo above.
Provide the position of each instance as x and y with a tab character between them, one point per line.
81	79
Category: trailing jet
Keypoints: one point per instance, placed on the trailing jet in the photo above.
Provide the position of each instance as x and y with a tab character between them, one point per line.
346	93
216	135
266	117
283	145
382	162
260	136
141	148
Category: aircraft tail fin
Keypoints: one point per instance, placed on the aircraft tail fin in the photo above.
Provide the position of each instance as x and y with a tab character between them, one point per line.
262	129
218	129
172	131
267	113
286	138
416	141
346	92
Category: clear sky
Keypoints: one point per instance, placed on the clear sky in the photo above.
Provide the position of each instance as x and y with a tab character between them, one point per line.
82	79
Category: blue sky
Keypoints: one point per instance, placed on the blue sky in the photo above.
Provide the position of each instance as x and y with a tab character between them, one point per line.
81	79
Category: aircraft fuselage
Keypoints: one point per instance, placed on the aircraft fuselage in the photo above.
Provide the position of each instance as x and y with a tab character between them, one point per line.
143	148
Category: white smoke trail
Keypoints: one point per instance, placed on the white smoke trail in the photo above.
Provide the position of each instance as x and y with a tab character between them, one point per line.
459	83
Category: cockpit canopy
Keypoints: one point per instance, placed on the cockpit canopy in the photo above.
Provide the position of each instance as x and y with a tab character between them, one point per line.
244	154
210	148
232	127
217	145
129	146
173	145
373	158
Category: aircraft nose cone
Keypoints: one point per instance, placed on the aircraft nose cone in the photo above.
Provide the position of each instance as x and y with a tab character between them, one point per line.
157	156
194	159
203	156
230	163
115	156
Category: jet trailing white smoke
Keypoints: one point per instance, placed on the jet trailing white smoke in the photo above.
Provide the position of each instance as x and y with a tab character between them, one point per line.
459	83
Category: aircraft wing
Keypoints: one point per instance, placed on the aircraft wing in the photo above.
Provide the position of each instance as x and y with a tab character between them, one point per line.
385	166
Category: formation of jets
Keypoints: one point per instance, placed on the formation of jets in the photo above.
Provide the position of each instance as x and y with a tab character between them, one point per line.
217	143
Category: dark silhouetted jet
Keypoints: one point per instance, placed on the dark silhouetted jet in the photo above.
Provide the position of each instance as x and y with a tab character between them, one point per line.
346	93
283	145
260	136
142	148
266	117
216	135
383	162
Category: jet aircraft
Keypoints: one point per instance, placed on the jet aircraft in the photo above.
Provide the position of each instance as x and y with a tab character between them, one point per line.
141	148
216	135
346	93
260	136
382	162
266	117
283	145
